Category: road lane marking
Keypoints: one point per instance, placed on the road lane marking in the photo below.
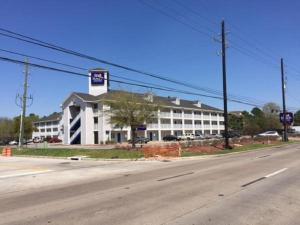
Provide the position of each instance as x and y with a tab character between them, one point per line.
24	174
180	175
276	172
259	157
265	177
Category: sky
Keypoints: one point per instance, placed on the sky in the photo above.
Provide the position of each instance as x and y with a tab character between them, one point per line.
147	35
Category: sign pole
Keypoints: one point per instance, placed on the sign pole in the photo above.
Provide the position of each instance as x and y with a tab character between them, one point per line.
284	138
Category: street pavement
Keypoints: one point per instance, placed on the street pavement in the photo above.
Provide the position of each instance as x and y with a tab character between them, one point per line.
258	187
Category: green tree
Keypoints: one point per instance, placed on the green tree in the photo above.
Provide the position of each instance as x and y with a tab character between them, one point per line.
271	109
28	125
131	110
235	122
6	130
297	118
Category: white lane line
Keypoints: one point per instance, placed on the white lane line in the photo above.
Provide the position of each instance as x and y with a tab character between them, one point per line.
24	174
276	172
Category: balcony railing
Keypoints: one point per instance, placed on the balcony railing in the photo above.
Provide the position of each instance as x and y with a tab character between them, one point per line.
188	126
177	126
165	114
197	116
207	126
152	126
177	114
206	117
165	126
188	115
197	126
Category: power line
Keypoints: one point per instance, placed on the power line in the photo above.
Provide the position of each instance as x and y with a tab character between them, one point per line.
122	82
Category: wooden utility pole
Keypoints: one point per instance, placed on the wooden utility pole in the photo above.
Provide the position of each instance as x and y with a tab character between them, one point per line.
284	137
224	85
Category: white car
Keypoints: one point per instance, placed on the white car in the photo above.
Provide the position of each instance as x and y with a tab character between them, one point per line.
269	134
13	143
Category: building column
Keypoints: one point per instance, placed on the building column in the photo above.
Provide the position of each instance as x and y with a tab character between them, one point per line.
172	122
159	126
218	121
193	123
210	122
202	122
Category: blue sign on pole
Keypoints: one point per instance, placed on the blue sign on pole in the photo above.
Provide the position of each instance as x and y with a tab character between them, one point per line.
97	78
289	118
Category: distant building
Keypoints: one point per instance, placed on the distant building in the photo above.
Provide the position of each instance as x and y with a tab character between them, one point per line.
85	121
49	126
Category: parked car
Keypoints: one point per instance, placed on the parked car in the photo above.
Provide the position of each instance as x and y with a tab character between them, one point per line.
232	134
140	140
55	140
216	136
13	143
170	138
269	134
199	137
186	137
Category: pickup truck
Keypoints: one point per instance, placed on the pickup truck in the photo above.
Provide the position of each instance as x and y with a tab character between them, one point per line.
186	137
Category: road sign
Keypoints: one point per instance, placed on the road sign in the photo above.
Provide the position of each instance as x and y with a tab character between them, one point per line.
97	77
289	118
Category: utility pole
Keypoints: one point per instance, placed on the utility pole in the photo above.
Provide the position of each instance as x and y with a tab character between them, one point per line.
284	138
224	85
24	104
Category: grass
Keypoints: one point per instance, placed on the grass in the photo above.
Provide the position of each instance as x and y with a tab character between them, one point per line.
91	153
126	154
237	149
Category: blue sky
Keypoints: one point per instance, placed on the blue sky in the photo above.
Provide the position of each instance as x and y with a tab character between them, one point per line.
130	33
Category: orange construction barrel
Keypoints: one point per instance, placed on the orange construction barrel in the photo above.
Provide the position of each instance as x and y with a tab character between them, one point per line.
8	152
4	152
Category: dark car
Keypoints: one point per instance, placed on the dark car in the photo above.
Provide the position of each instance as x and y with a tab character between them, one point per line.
54	140
232	134
140	140
170	138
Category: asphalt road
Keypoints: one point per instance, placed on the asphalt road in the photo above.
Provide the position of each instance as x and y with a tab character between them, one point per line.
260	187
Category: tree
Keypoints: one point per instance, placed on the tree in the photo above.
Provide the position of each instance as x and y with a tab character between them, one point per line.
6	130
271	109
131	110
250	126
28	125
297	118
235	122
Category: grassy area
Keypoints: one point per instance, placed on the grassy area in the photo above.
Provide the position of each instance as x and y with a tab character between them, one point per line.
91	153
237	149
125	154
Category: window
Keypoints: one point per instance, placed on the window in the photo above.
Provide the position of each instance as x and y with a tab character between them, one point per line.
95	120
42	130
214	122
48	129
214	114
197	113
221	122
48	123
55	129
206	122
206	113
95	106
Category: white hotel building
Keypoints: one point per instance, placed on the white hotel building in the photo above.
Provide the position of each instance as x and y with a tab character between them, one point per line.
85	119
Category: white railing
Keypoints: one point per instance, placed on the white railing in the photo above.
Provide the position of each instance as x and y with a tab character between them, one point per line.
221	127
177	114
206	117
75	134
95	126
215	127
214	118
188	115
165	114
75	120
221	118
176	126
165	126
189	126
197	116
206	126
152	125
197	126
